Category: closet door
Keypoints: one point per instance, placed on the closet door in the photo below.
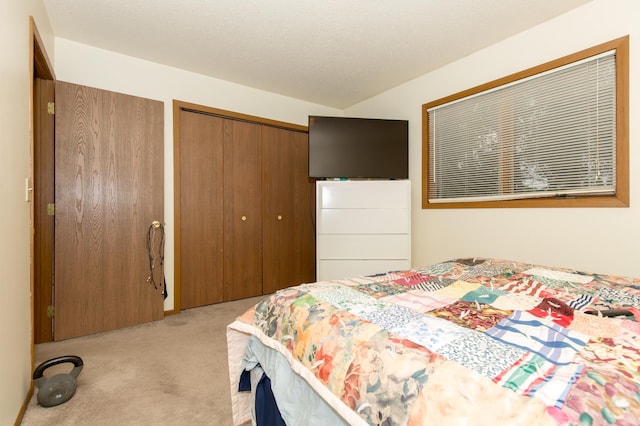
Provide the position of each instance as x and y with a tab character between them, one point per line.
201	209
242	210
289	209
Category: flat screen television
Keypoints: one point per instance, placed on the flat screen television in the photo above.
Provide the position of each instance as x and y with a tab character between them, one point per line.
345	147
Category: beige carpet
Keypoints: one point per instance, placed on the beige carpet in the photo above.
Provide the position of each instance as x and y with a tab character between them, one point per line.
169	372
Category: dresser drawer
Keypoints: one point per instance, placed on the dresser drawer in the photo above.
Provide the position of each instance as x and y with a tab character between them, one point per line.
363	221
340	269
363	246
364	195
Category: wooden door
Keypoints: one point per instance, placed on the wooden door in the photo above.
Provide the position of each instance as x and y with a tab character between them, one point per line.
242	210
289	210
109	189
43	199
201	185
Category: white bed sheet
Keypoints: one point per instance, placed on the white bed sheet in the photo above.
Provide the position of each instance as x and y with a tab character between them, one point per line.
298	401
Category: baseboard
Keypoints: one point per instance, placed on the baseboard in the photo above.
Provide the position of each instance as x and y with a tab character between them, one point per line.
25	404
171	312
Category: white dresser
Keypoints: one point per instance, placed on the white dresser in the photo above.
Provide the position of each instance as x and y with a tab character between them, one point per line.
363	227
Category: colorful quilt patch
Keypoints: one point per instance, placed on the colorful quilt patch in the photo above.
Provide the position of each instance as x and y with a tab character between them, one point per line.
527	286
555	306
554	310
630	330
614	352
406	278
580	302
339	296
535	376
475	316
619	298
458	289
365	310
603	397
482	354
471	261
554	388
593	325
419	301
516	302
524	374
483	273
391	317
555	287
483	294
430	332
435	284
554	343
380	289
440	269
558	275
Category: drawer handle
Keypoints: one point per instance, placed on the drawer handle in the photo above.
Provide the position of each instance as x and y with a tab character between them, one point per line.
244	218
279	217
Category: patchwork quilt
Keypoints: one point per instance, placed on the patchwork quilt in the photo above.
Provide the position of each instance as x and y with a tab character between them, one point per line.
468	341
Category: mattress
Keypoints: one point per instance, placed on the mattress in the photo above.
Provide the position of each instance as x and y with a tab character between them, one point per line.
467	341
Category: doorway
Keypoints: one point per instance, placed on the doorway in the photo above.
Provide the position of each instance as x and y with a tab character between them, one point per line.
42	188
97	185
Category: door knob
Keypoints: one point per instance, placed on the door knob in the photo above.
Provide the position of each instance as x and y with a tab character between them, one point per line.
279	217
244	218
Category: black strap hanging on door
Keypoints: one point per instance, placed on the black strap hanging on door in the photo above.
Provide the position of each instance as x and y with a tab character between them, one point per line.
156	253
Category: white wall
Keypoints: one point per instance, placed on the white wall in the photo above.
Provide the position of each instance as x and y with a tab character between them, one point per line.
15	168
81	64
600	240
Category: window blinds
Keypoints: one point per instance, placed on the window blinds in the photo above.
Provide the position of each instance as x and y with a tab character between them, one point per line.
551	134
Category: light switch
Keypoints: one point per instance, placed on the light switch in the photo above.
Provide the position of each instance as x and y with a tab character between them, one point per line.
27	190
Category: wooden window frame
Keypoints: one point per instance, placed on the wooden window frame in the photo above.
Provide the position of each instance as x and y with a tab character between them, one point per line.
619	199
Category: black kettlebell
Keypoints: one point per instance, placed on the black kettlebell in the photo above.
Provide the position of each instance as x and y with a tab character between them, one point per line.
60	388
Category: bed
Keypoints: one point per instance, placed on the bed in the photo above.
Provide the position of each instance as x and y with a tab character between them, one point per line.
467	341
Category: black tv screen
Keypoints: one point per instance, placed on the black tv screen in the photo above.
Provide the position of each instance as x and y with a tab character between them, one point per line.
344	147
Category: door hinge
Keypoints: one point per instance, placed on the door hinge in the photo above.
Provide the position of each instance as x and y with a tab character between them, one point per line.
51	108
51	209
50	311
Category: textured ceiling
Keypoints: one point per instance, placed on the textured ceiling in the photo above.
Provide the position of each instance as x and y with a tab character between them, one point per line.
330	52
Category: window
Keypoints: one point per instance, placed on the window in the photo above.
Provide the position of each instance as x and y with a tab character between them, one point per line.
552	136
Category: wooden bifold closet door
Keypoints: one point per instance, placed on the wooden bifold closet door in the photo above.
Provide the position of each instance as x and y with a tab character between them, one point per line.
201	239
245	215
289	210
242	211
